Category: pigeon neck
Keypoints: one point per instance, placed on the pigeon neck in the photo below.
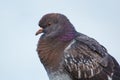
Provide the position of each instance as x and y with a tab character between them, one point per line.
69	34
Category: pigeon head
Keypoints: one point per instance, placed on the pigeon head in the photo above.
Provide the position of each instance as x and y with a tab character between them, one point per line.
55	25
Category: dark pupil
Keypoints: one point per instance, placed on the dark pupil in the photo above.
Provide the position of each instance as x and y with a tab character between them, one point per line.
49	24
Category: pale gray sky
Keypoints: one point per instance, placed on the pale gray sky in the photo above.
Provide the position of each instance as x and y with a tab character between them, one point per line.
99	19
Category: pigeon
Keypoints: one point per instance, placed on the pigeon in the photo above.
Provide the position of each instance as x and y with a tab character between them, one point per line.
70	55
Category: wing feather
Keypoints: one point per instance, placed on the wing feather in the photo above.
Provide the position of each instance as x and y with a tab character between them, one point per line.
86	58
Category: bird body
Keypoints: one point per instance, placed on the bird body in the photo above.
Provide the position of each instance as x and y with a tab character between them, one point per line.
69	55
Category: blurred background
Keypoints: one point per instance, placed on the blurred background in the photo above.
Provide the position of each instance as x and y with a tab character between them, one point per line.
99	19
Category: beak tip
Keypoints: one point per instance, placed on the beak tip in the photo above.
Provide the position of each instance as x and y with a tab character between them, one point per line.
39	31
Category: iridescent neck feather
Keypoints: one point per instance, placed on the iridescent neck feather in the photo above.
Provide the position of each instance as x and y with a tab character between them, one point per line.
69	34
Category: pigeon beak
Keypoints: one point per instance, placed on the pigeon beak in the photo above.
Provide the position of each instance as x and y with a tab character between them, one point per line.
39	31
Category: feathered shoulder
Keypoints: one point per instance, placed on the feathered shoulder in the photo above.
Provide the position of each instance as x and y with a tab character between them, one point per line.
86	58
92	44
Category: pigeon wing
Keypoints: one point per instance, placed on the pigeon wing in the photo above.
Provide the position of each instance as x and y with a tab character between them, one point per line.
86	58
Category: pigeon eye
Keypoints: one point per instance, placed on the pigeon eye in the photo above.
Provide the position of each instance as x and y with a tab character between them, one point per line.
48	24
